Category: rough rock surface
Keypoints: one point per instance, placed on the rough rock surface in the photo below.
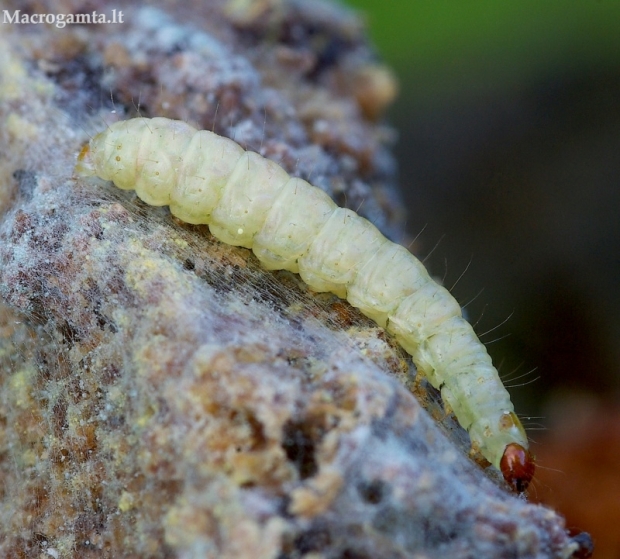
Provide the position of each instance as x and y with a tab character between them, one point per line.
160	394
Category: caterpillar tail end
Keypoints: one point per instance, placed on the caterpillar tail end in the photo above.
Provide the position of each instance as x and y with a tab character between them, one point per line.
84	166
517	467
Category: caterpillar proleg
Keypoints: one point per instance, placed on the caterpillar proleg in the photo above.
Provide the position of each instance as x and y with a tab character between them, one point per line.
250	201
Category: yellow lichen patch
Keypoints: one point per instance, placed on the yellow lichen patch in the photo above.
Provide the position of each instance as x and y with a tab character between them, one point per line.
28	459
126	502
140	272
12	73
143	420
20	385
182	243
14	78
19	128
143	273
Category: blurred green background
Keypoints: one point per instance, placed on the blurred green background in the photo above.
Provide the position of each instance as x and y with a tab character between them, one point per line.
509	154
449	48
509	151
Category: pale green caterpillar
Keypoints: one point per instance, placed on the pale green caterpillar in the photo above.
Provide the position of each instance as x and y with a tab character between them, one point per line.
250	201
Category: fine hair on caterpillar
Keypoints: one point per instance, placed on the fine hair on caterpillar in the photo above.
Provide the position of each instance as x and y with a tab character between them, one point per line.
250	201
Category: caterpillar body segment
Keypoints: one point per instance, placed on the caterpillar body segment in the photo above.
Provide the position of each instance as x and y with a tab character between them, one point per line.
338	251
250	192
299	211
250	201
378	294
201	175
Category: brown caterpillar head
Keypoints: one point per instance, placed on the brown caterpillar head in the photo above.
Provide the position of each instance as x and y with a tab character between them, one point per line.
517	466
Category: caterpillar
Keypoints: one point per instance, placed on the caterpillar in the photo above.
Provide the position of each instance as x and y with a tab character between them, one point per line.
252	202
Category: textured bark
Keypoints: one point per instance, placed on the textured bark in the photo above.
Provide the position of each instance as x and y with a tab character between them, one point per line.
160	394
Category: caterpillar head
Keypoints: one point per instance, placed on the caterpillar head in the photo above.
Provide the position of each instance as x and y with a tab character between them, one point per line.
517	467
